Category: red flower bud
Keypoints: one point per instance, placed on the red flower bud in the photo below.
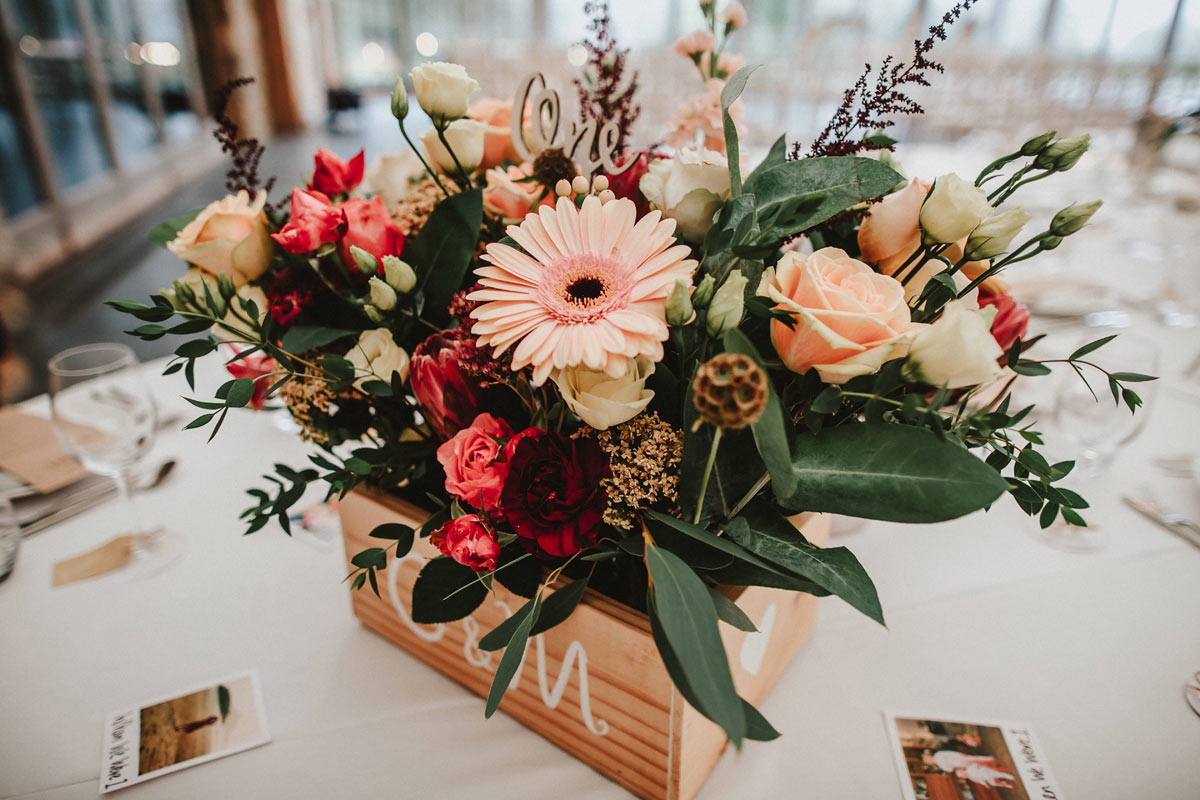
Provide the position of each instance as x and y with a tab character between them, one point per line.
469	541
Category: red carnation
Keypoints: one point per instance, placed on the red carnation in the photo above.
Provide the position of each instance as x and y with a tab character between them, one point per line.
1011	318
469	541
372	228
449	394
334	176
626	183
552	496
313	222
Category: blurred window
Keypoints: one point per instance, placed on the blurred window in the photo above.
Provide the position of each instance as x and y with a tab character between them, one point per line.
18	190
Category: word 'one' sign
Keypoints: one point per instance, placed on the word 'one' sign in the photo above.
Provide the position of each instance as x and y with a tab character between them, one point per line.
588	147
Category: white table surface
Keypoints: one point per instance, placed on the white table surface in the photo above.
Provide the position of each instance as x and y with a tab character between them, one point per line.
1091	650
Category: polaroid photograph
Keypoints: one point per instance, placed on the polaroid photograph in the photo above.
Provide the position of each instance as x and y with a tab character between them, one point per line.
945	757
190	728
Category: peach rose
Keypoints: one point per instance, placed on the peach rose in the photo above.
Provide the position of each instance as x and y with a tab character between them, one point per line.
496	115
474	473
228	237
849	318
510	198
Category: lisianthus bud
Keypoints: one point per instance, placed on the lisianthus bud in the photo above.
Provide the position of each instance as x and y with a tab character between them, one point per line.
184	294
399	274
373	314
1073	217
383	296
399	99
679	303
364	262
725	311
225	286
995	234
953	208
1051	242
1060	156
704	292
1038	143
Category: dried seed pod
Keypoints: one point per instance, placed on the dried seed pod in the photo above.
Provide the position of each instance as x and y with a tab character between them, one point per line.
553	165
730	390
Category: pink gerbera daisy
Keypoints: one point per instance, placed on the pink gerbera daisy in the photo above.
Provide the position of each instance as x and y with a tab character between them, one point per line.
590	288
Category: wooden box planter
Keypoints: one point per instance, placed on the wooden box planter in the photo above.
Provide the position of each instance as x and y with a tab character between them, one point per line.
594	685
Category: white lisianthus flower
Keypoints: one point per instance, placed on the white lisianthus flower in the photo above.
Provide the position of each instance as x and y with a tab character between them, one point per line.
466	140
957	350
953	208
602	401
383	296
689	188
376	357
995	234
443	90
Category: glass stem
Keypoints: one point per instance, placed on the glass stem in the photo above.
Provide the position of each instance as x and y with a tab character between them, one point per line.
121	479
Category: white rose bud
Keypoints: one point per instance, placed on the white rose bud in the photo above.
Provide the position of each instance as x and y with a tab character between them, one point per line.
952	210
443	90
602	401
995	234
376	357
383	296
957	350
689	188
725	311
679	303
399	274
466	140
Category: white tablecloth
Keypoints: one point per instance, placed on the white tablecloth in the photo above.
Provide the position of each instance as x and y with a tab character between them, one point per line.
1091	650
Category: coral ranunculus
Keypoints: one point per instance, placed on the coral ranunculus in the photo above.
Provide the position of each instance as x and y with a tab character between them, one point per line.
1012	318
552	495
372	228
474	473
469	541
449	395
334	176
313	222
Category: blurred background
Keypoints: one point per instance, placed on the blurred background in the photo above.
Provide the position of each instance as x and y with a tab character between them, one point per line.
104	126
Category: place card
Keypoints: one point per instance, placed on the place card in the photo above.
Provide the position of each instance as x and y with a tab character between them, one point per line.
30	450
173	733
946	756
113	554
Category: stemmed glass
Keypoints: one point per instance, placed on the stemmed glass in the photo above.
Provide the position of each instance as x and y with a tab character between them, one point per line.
1096	428
104	415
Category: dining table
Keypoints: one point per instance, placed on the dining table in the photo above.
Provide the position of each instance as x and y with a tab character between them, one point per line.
983	621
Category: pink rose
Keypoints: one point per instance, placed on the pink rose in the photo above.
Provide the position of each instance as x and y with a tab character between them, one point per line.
849	319
334	176
496	115
370	227
509	198
313	221
470	458
469	541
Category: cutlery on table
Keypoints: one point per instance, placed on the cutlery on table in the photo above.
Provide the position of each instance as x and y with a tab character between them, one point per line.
38	517
1178	524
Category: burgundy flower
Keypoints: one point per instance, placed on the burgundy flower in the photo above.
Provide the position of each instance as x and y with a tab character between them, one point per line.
1011	318
626	183
552	496
448	391
469	541
334	176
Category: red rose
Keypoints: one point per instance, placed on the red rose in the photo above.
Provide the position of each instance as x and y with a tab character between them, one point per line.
1011	318
626	184
334	176
313	222
474	473
552	496
469	541
372	228
449	395
254	366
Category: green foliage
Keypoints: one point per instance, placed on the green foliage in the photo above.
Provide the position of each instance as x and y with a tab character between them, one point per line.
773	431
167	230
445	591
441	252
798	195
728	611
303	338
729	94
514	651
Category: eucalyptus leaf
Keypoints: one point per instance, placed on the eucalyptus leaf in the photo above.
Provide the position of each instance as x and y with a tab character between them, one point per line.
775	156
514	652
728	611
798	195
729	94
303	338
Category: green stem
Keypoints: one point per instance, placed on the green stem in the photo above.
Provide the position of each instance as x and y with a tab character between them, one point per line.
708	468
754	490
465	183
424	163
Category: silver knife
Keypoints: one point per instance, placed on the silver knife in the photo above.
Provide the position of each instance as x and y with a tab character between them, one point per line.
1177	524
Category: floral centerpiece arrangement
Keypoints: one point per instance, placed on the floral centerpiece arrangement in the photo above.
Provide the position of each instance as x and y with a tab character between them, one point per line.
630	378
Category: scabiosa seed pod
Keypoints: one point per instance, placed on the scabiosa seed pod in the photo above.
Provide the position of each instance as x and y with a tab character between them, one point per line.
553	165
730	390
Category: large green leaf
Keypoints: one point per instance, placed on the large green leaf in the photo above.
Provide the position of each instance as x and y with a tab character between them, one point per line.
554	610
798	195
773	430
775	156
513	653
729	93
682	606
167	230
303	338
445	591
711	539
736	469
770	535
890	472
441	252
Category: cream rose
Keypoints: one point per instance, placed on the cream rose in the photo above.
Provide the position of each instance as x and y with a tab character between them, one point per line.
602	401
849	319
443	90
376	357
390	176
953	208
957	350
689	188
466	140
228	237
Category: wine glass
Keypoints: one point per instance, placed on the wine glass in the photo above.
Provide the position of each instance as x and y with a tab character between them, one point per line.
1094	428
104	415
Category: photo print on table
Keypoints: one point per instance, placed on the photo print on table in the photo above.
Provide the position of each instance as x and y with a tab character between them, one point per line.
168	735
946	758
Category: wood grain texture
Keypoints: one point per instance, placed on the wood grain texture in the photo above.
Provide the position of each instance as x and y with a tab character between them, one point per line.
640	733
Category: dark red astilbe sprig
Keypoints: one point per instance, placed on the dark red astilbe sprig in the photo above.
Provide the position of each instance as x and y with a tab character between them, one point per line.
865	108
605	95
246	153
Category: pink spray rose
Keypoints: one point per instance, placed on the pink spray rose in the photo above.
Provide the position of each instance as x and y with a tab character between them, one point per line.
474	473
313	222
334	176
469	541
